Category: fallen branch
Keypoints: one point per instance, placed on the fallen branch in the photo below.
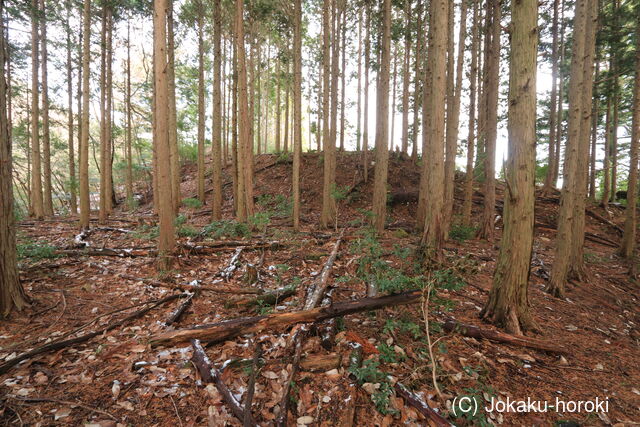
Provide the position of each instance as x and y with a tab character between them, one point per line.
221	331
281	421
57	345
422	406
314	297
176	315
210	374
327	329
267	298
452	325
60	402
121	253
234	263
251	387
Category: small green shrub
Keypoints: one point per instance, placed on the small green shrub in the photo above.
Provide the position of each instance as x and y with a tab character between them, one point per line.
460	232
227	228
35	251
192	203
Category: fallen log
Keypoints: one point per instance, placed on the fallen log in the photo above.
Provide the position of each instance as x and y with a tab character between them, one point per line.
422	406
221	331
57	345
452	325
600	218
321	362
210	374
327	329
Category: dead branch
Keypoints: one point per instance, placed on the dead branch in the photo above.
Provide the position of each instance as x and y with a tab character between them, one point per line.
422	406
298	338
452	325
60	344
175	316
314	297
268	298
251	387
221	331
210	374
60	402
233	265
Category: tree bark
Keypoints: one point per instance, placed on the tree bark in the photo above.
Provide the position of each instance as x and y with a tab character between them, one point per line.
297	111
328	203
564	239
201	105
85	204
406	79
471	138
216	151
129	134
630	224
46	138
166	239
433	235
12	296
73	200
382	124
553	156
174	156
36	175
487	227
508	304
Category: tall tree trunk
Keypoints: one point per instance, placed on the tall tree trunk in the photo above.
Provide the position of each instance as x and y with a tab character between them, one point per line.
73	199
102	215
343	74
285	142
450	146
258	97
553	156
359	106
328	203
201	104
297	110
12	296
564	239
560	114
453	121
487	227
594	137
36	175
468	181
174	155
367	64
129	140
508	304
109	115
278	103
606	162
166	239
85	203
613	156
382	123
433	234
393	96
46	138
235	154
406	79
577	268
417	89
245	143
628	246
216	127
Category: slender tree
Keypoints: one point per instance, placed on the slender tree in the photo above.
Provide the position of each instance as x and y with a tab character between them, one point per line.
487	227
73	199
297	110
129	140
46	134
508	304
628	246
85	203
166	238
328	202
216	152
473	77
382	123
563	254
12	296
367	65
553	156
36	175
406	78
174	155
201	105
433	234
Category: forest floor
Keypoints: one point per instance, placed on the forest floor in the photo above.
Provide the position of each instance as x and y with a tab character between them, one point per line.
117	377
